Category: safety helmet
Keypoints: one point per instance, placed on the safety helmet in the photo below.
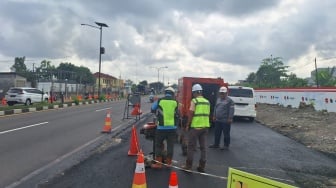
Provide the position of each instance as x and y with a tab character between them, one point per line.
196	87
223	90
169	89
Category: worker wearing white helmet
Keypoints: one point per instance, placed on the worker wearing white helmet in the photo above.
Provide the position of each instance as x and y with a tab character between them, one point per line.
196	88
167	116
222	116
198	124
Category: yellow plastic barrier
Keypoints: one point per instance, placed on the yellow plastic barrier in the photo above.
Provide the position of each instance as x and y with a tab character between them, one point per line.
240	179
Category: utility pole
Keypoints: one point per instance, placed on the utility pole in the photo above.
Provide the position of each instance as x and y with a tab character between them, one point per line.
316	75
158	76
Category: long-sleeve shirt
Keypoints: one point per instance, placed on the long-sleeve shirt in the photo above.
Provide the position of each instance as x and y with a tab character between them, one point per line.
224	109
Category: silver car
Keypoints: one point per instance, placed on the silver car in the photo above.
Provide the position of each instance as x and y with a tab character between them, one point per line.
25	95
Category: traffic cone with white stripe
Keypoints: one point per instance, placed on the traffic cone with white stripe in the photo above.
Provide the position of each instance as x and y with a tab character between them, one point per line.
139	179
108	123
173	182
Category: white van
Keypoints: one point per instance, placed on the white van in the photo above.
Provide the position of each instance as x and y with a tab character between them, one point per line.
245	105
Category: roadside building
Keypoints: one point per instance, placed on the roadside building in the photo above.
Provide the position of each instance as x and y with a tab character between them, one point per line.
11	79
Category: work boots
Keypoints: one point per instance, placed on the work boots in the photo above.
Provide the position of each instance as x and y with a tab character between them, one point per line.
169	161
158	164
188	165
201	166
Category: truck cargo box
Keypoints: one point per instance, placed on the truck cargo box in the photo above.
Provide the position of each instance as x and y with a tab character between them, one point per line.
184	95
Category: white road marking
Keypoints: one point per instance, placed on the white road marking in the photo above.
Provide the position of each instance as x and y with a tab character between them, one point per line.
102	109
12	130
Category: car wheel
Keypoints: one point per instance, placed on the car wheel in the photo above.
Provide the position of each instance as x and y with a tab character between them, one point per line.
10	103
251	119
28	102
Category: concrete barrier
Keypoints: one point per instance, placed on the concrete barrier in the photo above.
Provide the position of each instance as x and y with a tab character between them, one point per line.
32	109
320	98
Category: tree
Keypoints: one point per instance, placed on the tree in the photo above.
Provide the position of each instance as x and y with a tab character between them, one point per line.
325	77
46	70
293	81
21	69
144	83
19	65
270	72
251	78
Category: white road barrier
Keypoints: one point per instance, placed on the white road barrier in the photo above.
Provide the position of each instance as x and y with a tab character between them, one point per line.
321	98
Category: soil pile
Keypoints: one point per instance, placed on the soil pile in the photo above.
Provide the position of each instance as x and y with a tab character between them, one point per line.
315	129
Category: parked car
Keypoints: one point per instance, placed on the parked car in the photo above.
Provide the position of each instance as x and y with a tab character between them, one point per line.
25	95
245	104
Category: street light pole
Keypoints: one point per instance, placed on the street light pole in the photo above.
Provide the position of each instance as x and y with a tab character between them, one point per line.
101	49
158	69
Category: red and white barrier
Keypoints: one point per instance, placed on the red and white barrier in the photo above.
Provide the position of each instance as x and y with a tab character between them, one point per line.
321	98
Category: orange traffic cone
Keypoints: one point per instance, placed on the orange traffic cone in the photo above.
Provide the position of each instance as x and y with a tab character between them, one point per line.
136	110
139	179
173	182
3	101
134	144
108	124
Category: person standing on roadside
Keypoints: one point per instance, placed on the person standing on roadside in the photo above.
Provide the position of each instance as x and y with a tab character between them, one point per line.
167	116
197	126
222	116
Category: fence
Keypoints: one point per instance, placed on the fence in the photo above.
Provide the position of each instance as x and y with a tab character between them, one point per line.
320	98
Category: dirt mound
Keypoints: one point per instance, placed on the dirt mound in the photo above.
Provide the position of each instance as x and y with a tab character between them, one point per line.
315	129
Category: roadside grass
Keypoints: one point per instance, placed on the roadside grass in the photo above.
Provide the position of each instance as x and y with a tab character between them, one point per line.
35	105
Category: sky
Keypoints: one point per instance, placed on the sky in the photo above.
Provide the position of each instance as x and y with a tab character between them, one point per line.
158	40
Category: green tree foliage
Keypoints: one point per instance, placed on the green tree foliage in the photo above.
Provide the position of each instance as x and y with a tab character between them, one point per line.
272	73
45	70
19	65
293	81
21	69
144	83
325	77
48	72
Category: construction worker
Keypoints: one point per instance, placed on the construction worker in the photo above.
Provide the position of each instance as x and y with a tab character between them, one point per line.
197	126
222	116
167	117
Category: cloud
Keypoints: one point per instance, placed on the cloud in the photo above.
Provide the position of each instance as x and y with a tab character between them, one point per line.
193	38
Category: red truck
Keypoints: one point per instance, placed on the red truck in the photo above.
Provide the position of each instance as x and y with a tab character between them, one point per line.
210	88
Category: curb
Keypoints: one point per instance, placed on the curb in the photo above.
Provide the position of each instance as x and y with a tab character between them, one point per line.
50	106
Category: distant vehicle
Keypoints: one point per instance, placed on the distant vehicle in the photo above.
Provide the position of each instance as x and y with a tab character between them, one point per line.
210	88
24	95
151	98
245	104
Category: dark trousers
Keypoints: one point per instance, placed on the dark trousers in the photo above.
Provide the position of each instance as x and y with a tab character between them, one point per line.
225	128
195	135
170	137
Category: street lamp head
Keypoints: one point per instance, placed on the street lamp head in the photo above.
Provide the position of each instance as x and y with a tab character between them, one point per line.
101	24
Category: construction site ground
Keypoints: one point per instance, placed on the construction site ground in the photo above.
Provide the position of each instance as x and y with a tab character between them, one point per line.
314	129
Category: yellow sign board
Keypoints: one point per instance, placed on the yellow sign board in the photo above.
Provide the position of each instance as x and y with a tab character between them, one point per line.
240	179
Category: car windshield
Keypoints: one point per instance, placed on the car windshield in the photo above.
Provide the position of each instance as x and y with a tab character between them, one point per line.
238	92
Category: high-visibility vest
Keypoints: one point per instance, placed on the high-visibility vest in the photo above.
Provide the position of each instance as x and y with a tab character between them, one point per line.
167	108
201	113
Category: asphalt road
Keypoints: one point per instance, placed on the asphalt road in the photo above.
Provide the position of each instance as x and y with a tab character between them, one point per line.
31	143
254	149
